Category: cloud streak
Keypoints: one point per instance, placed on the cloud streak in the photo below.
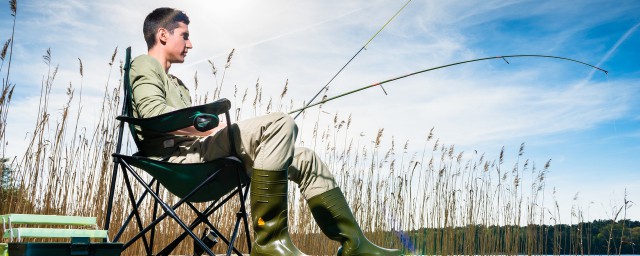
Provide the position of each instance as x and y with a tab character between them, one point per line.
613	49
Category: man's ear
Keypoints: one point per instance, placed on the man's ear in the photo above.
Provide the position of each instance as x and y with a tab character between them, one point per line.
162	35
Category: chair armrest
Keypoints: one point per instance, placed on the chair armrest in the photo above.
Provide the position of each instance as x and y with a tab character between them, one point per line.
203	117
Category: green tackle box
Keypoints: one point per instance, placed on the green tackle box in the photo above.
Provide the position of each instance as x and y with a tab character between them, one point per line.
80	244
64	249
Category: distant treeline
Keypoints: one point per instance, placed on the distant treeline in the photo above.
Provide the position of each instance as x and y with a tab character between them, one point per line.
598	237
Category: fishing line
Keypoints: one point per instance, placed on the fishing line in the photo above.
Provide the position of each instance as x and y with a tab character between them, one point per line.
354	56
503	57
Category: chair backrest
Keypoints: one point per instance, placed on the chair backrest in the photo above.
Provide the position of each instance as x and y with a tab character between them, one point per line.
127	103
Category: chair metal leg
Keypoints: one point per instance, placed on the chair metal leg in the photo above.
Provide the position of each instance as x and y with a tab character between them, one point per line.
168	210
243	209
171	246
235	233
135	211
154	222
114	175
230	243
193	225
155	214
156	197
112	188
126	221
202	217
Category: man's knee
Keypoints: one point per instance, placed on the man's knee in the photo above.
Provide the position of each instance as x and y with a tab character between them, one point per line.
311	165
306	157
286	122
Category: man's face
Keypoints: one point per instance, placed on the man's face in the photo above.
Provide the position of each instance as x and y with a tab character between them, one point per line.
177	43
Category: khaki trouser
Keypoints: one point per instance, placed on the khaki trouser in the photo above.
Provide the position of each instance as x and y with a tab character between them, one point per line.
264	143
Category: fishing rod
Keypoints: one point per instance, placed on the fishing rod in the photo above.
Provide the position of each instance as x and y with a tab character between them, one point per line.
504	57
354	56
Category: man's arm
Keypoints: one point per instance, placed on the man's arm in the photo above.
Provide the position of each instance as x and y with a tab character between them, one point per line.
149	94
148	88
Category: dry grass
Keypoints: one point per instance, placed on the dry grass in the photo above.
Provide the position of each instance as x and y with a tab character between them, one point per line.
66	170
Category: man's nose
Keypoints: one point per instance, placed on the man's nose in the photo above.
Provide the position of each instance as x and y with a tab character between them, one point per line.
189	45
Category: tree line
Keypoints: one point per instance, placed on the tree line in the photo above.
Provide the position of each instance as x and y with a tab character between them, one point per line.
602	237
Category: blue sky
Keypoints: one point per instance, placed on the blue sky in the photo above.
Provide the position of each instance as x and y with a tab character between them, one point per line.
586	122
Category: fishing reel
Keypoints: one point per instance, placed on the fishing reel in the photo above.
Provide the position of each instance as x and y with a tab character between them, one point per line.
204	122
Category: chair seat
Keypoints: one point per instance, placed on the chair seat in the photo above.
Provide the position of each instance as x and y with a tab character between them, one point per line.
180	179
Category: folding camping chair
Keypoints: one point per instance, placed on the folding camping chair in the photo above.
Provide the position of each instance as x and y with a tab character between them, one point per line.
215	182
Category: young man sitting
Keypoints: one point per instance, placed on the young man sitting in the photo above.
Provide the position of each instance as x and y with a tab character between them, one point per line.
265	144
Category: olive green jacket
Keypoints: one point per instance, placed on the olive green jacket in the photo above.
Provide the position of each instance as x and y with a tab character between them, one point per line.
155	92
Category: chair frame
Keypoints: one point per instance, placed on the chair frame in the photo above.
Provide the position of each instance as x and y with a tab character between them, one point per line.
125	162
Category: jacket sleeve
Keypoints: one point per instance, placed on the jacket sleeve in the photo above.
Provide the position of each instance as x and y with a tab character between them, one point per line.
149	88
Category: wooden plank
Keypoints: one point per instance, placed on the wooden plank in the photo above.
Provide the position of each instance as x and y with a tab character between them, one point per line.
47	219
54	232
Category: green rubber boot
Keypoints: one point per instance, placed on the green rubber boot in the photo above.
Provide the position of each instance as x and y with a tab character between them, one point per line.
269	214
332	213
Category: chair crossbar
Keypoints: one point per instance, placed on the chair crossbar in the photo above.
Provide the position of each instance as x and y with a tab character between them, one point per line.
203	218
128	219
169	210
147	191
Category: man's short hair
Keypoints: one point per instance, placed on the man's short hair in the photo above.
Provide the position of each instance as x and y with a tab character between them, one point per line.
167	18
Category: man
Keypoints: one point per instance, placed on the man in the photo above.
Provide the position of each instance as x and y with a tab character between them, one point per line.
265	144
